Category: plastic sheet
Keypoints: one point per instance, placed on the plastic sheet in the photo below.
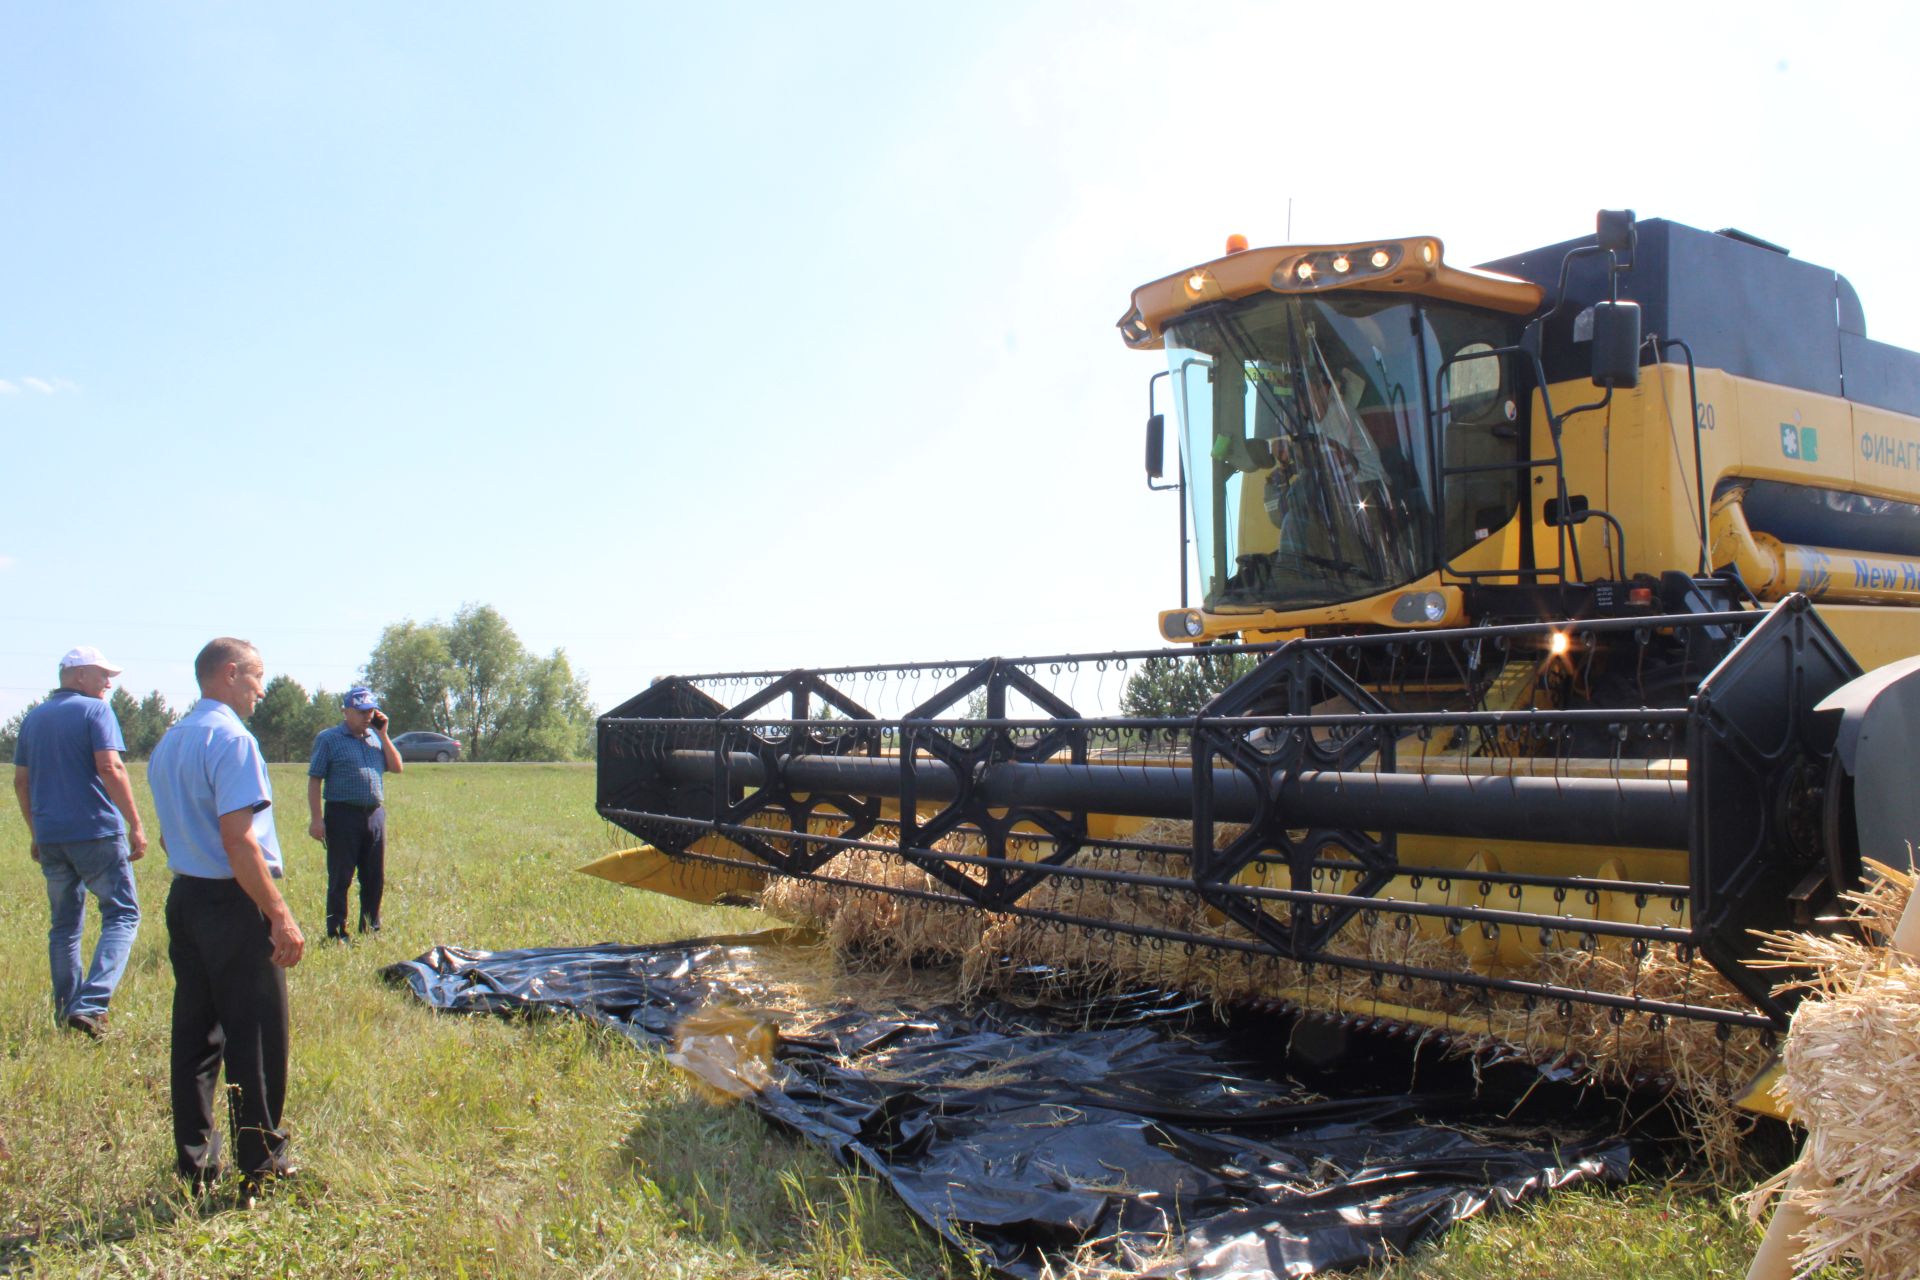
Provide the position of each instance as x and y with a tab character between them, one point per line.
1183	1148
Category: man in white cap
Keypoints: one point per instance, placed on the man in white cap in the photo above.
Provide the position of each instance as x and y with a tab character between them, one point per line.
84	830
348	761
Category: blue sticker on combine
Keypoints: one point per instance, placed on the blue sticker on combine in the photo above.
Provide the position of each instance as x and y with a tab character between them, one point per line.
1800	443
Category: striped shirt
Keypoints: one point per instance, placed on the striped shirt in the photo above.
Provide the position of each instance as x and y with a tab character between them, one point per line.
351	766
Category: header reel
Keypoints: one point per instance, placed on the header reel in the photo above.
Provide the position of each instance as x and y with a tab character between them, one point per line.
1510	794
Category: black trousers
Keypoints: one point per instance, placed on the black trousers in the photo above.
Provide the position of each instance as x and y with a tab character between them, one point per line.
356	844
229	1009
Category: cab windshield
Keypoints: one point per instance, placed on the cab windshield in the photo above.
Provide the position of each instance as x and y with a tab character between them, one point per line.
1302	429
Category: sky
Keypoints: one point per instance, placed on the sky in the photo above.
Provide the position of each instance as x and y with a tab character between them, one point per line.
763	336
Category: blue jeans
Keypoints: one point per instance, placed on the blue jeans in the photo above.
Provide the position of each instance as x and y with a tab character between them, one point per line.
72	868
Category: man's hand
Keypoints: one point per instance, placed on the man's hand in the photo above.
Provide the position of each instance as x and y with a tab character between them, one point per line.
23	792
250	872
119	789
318	830
289	944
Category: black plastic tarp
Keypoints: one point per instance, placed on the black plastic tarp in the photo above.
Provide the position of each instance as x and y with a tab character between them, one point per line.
1185	1147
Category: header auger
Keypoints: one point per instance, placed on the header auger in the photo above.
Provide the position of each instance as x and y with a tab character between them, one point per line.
1516	720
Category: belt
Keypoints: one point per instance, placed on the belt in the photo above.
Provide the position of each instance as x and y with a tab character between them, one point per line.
208	888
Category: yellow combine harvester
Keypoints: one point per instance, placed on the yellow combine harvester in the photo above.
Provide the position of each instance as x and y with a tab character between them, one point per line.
1554	629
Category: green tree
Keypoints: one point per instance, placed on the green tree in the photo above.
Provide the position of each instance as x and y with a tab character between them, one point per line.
151	720
491	662
280	721
1181	686
473	679
546	715
143	722
412	673
323	712
126	709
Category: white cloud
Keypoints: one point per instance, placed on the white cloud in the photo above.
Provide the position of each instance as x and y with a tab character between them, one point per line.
6	563
44	386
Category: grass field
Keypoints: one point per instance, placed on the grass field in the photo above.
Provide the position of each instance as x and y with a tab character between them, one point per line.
442	1146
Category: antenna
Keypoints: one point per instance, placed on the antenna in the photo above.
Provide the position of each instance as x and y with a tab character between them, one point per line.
1289	219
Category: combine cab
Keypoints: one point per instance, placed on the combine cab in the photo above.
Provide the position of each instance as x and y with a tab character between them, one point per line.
1552	639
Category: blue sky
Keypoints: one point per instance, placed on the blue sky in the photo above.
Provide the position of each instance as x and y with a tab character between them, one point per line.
761	336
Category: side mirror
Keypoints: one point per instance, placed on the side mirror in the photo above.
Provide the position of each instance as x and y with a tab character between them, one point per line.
1616	344
1156	446
1616	233
1573	511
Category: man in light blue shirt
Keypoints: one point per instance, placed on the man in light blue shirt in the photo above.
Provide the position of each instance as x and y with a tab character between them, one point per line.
84	831
230	935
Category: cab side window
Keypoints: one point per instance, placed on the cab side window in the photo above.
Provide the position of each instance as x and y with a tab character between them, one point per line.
1479	423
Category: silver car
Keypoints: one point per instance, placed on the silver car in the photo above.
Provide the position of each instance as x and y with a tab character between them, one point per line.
421	745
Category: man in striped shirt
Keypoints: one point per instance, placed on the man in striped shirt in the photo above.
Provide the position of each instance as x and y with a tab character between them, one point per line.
348	761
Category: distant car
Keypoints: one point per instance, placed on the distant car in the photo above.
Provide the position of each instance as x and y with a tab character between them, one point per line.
420	745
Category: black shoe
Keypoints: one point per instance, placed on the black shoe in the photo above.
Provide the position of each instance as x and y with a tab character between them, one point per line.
369	926
255	1186
339	935
92	1025
201	1181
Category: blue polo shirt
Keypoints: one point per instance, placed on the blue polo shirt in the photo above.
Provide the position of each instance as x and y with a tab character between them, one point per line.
351	766
207	765
56	744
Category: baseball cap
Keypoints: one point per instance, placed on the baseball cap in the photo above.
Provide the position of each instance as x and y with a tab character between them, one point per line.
88	656
359	698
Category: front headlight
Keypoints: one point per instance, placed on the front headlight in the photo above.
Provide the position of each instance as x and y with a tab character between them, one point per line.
1184	625
1415	607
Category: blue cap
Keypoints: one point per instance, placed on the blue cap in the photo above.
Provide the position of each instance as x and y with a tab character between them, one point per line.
359	698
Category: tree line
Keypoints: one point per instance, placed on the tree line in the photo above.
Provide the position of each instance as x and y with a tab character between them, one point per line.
470	678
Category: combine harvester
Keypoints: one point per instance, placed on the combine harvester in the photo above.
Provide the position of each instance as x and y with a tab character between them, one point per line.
1553	638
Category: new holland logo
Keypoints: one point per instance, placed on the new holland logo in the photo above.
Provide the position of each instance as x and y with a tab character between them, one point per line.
1800	443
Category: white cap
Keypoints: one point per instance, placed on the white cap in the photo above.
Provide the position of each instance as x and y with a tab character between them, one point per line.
88	656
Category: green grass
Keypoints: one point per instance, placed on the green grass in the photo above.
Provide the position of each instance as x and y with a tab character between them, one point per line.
439	1146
